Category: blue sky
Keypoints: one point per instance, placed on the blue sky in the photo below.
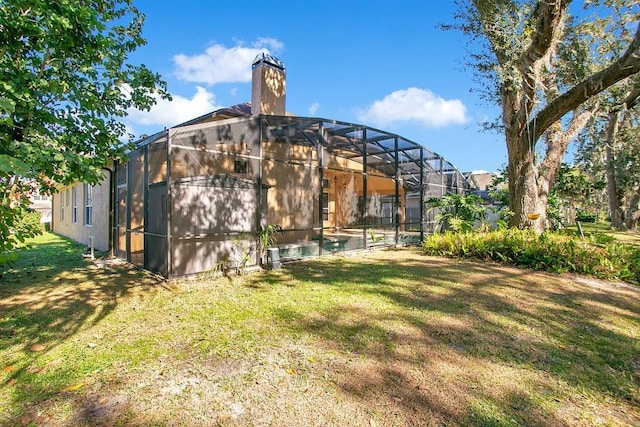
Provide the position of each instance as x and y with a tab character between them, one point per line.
384	64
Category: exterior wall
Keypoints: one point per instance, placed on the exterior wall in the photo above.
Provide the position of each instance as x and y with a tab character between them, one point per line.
220	226
214	211
291	172
41	203
63	217
347	187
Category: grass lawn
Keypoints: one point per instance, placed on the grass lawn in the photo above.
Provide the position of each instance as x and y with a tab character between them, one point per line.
631	237
388	338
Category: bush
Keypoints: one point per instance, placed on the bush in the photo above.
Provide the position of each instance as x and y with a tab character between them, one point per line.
586	216
458	212
29	224
553	252
22	225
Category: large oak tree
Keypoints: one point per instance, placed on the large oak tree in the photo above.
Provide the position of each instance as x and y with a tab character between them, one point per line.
65	83
535	56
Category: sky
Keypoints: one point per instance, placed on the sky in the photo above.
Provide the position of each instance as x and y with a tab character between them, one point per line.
384	64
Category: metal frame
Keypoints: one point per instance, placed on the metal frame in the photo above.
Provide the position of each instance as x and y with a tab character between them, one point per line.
380	153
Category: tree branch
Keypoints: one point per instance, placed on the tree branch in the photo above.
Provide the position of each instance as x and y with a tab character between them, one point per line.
627	65
548	17
631	100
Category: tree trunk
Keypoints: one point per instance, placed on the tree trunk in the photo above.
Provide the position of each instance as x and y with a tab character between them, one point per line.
633	214
523	186
615	210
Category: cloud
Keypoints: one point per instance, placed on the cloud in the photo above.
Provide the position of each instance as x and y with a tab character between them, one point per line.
313	109
220	64
415	105
181	109
128	131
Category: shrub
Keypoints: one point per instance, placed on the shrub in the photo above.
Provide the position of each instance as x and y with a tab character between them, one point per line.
586	216
29	224
553	252
458	211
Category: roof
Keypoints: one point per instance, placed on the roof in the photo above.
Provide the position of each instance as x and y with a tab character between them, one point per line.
480	180
238	110
416	165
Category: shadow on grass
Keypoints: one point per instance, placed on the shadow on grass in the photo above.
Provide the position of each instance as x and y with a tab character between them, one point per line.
47	297
466	321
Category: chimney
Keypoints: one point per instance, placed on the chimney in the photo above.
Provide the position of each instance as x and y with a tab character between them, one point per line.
268	89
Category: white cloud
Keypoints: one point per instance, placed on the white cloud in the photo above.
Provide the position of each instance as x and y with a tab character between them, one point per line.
181	109
128	130
220	64
415	105
269	43
313	109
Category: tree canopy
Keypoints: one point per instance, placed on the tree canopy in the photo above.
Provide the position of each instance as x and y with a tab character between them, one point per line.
610	149
65	83
546	69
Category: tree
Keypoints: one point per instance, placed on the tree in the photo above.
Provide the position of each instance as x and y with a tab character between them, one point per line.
620	157
64	85
573	185
541	70
578	190
632	169
610	148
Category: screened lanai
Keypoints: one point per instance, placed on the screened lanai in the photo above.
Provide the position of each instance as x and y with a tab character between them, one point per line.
193	197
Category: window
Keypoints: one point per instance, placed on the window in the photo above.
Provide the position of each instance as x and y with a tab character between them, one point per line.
74	204
37	196
61	206
240	166
88	204
326	183
325	206
66	195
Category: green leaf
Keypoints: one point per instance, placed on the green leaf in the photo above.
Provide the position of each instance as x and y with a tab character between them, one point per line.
7	105
13	165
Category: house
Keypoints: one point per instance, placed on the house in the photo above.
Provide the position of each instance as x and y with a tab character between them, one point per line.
41	203
481	182
82	212
193	196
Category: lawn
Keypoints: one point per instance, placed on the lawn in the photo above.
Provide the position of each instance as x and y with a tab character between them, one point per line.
379	339
631	237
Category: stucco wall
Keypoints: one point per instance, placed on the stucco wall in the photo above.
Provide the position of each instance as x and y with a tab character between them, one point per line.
208	224
62	218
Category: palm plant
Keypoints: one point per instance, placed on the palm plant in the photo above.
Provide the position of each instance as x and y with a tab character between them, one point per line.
458	211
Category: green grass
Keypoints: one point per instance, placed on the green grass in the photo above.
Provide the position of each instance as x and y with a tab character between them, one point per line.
629	237
384	338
